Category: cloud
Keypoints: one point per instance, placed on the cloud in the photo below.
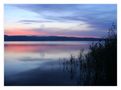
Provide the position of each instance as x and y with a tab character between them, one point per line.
23	31
94	14
33	21
87	19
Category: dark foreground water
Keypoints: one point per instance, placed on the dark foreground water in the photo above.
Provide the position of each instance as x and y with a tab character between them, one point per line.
41	63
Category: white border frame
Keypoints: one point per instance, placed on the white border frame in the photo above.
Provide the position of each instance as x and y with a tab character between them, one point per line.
2	2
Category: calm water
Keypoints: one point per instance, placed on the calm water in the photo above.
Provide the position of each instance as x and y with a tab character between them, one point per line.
39	63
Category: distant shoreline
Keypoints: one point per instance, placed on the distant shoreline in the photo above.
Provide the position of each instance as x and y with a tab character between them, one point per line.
48	38
53	40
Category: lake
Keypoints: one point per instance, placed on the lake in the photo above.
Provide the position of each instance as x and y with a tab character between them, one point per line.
40	63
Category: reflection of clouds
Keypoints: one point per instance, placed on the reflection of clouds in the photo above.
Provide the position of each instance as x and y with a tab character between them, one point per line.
23	57
22	48
34	59
42	55
43	51
48	55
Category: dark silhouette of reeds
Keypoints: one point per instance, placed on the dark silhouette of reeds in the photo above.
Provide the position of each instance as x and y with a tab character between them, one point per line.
99	65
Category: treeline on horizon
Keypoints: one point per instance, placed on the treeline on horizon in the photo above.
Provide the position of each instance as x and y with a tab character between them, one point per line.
99	66
48	38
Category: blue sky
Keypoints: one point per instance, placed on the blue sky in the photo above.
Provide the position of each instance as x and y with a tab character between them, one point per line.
82	20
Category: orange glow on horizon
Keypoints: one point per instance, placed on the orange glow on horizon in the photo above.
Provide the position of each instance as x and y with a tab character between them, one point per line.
20	31
27	32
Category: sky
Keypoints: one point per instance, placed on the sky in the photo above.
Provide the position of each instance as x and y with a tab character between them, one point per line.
71	20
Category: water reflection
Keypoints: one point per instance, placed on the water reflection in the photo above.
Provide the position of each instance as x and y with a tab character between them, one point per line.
39	63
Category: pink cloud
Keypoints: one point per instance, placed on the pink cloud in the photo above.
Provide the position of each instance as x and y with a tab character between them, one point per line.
22	31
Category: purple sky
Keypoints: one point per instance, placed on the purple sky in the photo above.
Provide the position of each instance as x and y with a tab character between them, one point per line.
79	20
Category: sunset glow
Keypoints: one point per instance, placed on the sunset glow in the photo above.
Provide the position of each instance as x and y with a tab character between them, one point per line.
59	20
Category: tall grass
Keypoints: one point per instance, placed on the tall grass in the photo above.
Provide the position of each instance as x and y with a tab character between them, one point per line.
99	66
